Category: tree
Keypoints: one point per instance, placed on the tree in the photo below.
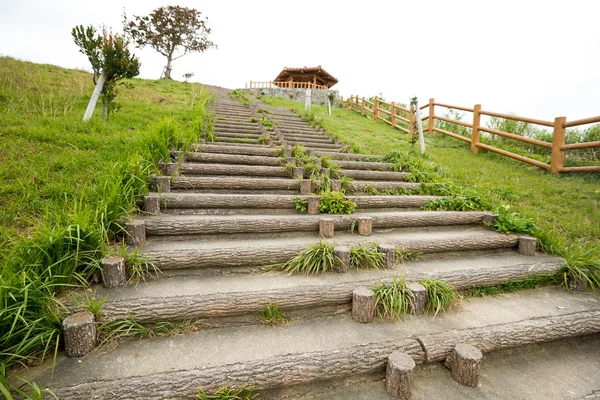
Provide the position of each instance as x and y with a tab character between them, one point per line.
173	31
111	61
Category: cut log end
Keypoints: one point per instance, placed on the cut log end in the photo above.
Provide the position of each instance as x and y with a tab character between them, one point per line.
363	305
152	204
419	293
365	226
305	187
136	232
465	364
79	334
399	375
114	271
313	205
326	227
342	256
389	255
527	245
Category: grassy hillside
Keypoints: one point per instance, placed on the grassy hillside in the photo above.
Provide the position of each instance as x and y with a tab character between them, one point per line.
565	209
67	184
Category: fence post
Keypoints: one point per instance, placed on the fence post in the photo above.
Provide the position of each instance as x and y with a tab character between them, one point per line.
558	141
475	130
393	110
362	110
411	124
376	109
250	84
431	114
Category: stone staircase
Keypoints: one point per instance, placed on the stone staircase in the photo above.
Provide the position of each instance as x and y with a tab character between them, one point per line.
224	212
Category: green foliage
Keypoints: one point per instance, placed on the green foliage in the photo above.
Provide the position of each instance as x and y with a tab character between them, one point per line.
272	315
246	392
138	266
187	76
366	256
108	53
311	118
334	168
299	152
316	259
393	300
242	97
441	296
508	222
402	255
115	330
332	202
529	283
173	31
582	264
300	203
264	139
467	200
25	391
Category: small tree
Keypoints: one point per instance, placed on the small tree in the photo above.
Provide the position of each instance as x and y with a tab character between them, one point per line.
173	31
187	76
109	55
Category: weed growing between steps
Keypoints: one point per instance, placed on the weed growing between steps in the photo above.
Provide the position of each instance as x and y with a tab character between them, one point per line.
529	283
264	139
402	255
25	391
365	256
67	186
245	392
109	333
240	96
272	315
441	296
332	202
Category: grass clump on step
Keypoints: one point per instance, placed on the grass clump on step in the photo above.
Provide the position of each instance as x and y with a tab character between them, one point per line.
272	315
365	256
245	392
529	283
332	202
441	296
393	300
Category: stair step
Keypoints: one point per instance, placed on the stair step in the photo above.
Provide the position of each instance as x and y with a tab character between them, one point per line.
201	225
234	140
248	253
315	136
234	130
244	159
366	186
269	202
347	156
239	134
315	140
366	165
240	150
232	170
374	175
234	182
303	352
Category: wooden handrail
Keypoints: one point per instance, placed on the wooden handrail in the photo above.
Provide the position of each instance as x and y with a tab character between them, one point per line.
451	134
454	121
585	145
287	85
515	156
454	107
521	119
587	168
584	121
517	137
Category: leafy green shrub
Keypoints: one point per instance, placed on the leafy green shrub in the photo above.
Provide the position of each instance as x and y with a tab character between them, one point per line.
508	222
441	296
300	204
366	256
468	200
333	202
393	300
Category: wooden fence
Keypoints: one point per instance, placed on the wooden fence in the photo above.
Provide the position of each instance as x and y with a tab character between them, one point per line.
287	85
391	113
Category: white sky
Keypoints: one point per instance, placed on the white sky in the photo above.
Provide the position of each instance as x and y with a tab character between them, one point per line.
539	59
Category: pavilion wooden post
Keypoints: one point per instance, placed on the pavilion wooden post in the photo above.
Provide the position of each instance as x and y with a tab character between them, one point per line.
393	113
411	127
376	109
431	114
558	141
475	130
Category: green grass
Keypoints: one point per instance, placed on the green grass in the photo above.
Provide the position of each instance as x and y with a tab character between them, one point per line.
565	209
366	256
272	315
245	392
529	283
316	259
66	185
393	300
441	296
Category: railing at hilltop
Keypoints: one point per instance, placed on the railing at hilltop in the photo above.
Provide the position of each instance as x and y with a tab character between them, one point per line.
286	85
391	113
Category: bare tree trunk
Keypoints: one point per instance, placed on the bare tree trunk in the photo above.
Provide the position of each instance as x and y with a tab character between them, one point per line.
168	67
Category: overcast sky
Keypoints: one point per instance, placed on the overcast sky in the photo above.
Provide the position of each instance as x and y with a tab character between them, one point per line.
535	58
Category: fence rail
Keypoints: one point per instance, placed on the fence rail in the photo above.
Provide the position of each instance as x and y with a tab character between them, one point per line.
286	85
392	113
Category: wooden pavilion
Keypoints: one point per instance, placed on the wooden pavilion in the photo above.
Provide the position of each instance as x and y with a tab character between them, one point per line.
305	78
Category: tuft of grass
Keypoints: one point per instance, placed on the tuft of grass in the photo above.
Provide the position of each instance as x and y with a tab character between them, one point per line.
300	204
529	283
332	202
441	296
366	256
113	331
263	139
245	392
272	315
393	300
316	259
138	267
402	255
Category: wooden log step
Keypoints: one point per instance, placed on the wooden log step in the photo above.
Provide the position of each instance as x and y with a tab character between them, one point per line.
255	150
227	139
201	224
190	297
243	115
225	123
232	170
234	130
364	165
364	186
295	131
261	252
239	134
305	136
249	145
233	159
316	146
297	138
175	367
346	156
173	200
226	183
374	175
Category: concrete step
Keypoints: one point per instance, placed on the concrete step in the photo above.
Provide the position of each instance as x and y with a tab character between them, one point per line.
233	183
217	255
316	146
315	136
234	130
347	156
165	225
239	150
194	201
304	352
220	301
201	169
236	158
234	140
368	186
239	134
245	115
314	140
364	165
234	123
301	131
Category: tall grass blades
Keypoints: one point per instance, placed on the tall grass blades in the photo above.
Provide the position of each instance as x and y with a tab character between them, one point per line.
366	256
441	296
393	300
245	392
313	260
